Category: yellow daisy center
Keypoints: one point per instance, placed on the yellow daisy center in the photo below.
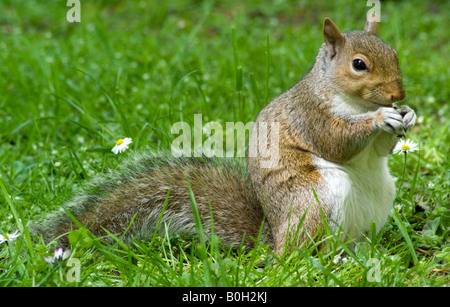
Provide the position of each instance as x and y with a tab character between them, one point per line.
120	141
405	147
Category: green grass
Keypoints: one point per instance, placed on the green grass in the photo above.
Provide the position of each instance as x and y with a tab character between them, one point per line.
132	70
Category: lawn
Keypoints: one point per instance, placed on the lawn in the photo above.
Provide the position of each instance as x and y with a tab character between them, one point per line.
133	69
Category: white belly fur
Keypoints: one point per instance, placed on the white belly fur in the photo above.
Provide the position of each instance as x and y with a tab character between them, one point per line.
358	192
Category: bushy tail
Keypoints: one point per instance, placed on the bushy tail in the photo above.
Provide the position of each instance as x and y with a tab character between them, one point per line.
138	189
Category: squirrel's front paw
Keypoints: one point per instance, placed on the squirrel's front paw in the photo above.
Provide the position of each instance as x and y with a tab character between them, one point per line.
391	121
408	115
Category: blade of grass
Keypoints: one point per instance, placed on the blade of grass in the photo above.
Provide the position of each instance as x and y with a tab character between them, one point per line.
266	92
199	228
404	232
160	218
17	216
255	91
238	71
324	270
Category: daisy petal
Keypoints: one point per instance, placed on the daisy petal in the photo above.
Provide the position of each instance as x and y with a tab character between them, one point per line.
405	146
121	145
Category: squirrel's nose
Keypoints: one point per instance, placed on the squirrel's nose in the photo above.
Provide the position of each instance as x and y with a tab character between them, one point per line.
398	93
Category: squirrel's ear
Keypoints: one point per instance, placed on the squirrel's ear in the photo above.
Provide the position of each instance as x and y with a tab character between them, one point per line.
332	35
371	27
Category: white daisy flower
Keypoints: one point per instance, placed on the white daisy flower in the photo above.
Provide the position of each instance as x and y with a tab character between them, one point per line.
9	237
121	145
57	255
405	146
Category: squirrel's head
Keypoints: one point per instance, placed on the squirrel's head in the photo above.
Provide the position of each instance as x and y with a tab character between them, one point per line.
362	66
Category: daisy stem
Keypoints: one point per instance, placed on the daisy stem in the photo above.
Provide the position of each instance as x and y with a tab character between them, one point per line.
404	170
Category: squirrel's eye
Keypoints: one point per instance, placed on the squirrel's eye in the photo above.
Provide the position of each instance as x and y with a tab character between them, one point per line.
359	64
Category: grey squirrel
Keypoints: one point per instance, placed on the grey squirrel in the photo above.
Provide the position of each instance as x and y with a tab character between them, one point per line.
336	127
